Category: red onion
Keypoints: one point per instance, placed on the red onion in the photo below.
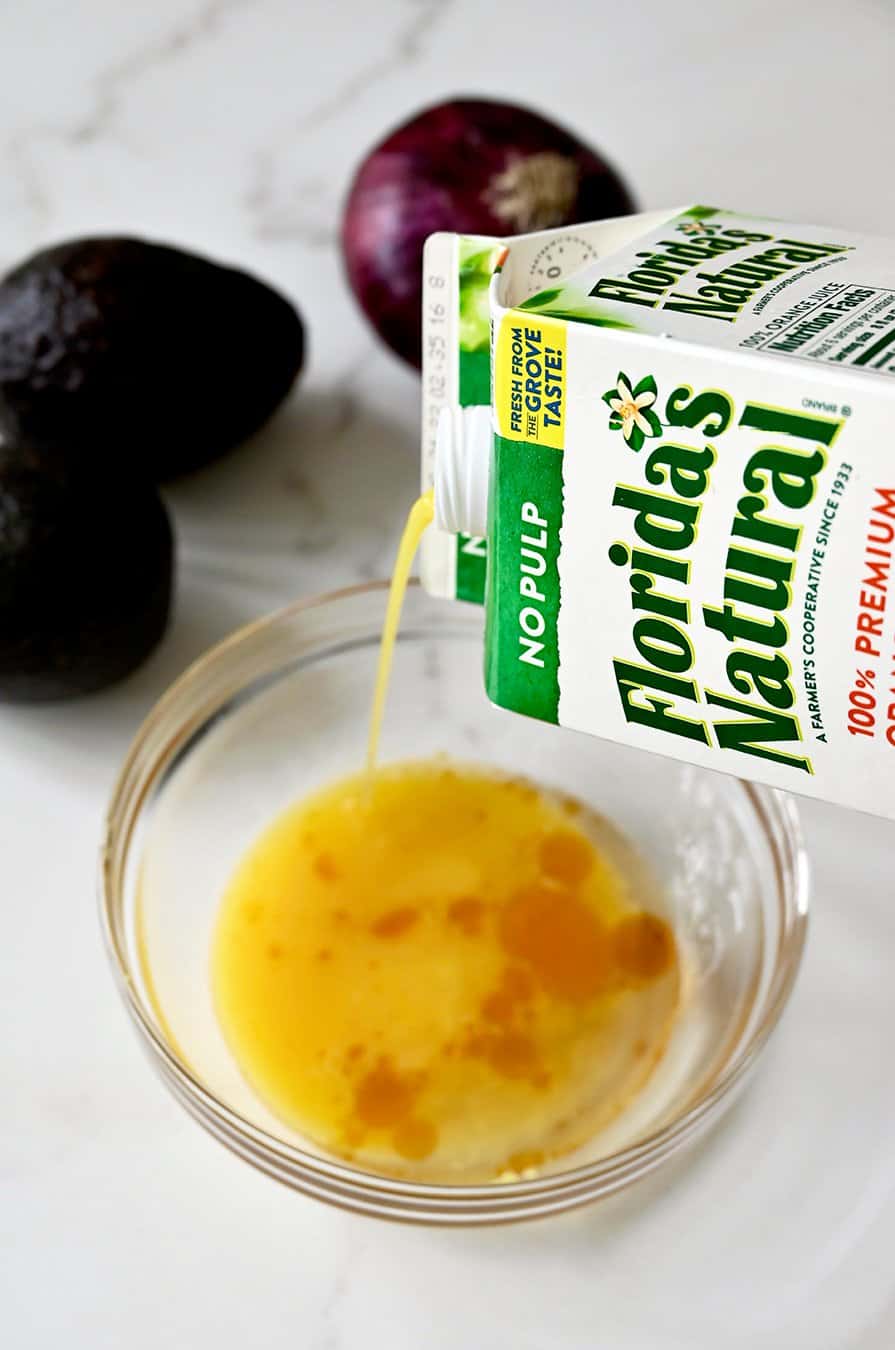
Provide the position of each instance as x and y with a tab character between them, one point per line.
473	166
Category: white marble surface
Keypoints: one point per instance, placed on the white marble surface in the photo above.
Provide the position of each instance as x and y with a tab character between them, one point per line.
232	126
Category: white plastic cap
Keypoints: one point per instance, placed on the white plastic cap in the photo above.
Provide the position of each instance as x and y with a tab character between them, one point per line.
462	469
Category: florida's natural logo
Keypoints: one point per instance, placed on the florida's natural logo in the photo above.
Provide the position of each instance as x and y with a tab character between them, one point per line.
694	227
681	274
631	409
778	454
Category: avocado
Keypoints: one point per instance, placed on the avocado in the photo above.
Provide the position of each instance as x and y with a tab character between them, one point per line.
140	357
86	566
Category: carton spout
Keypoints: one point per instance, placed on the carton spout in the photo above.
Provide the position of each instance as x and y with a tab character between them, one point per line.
462	469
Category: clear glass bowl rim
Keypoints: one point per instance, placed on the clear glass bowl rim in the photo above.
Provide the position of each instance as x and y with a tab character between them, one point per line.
386	1197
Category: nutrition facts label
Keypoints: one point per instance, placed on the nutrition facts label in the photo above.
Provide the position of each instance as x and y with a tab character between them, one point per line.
844	324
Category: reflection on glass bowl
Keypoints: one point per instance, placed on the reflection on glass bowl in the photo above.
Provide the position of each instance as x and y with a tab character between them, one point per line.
280	709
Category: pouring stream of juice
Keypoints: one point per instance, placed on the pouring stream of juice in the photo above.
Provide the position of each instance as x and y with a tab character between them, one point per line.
419	519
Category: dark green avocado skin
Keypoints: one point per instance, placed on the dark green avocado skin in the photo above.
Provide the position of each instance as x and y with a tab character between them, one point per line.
86	570
140	357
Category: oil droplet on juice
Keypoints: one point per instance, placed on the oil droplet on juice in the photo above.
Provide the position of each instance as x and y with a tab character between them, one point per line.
438	972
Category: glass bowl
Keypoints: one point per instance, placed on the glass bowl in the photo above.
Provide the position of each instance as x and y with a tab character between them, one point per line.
280	708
